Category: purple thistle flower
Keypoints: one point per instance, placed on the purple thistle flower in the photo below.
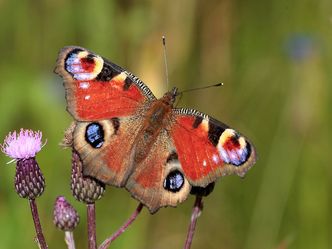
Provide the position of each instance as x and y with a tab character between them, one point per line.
22	147
29	180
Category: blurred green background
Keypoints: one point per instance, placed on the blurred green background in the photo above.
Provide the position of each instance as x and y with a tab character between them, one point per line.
275	60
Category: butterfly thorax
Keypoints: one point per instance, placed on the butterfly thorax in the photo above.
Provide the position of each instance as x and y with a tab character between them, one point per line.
156	119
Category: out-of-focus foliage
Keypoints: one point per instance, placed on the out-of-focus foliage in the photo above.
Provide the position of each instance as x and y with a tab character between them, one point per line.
275	60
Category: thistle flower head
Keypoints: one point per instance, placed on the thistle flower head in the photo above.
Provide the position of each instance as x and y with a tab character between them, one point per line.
23	145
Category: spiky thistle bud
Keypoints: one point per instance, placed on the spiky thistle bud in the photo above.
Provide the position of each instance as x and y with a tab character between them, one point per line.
65	217
84	188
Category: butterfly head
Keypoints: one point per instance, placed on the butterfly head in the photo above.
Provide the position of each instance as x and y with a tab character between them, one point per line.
170	97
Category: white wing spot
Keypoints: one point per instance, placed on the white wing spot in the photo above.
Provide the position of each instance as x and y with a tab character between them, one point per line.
87	97
84	85
215	158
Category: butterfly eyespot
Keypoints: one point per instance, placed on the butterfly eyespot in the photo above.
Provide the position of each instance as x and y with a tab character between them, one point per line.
83	65
94	135
174	181
233	148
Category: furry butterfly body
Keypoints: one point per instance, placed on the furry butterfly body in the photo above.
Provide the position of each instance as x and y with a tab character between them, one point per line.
127	138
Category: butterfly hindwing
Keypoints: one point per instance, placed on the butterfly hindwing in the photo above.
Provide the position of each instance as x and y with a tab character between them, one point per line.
209	149
105	148
96	88
159	180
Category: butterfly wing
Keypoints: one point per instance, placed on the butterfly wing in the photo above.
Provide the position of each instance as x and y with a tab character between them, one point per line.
108	104
97	88
208	149
158	180
106	147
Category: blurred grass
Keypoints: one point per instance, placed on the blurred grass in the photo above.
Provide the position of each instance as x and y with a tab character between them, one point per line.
275	60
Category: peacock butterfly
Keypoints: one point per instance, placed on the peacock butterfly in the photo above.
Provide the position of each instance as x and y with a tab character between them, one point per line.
126	137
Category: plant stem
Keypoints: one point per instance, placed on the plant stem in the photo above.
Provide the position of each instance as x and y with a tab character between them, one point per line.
197	209
39	231
91	213
69	238
123	228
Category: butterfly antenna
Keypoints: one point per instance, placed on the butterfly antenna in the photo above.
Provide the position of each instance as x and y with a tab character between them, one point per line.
178	99
180	93
200	88
165	60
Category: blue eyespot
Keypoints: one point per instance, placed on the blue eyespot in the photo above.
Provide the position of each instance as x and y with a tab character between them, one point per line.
94	135
174	181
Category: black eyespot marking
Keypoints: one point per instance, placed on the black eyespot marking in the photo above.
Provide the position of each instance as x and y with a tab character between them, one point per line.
75	51
90	58
107	73
174	181
197	122
94	135
172	157
202	191
116	124
214	133
248	148
128	82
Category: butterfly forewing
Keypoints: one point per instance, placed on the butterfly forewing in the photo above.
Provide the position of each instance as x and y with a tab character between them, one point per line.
96	88
209	149
105	148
